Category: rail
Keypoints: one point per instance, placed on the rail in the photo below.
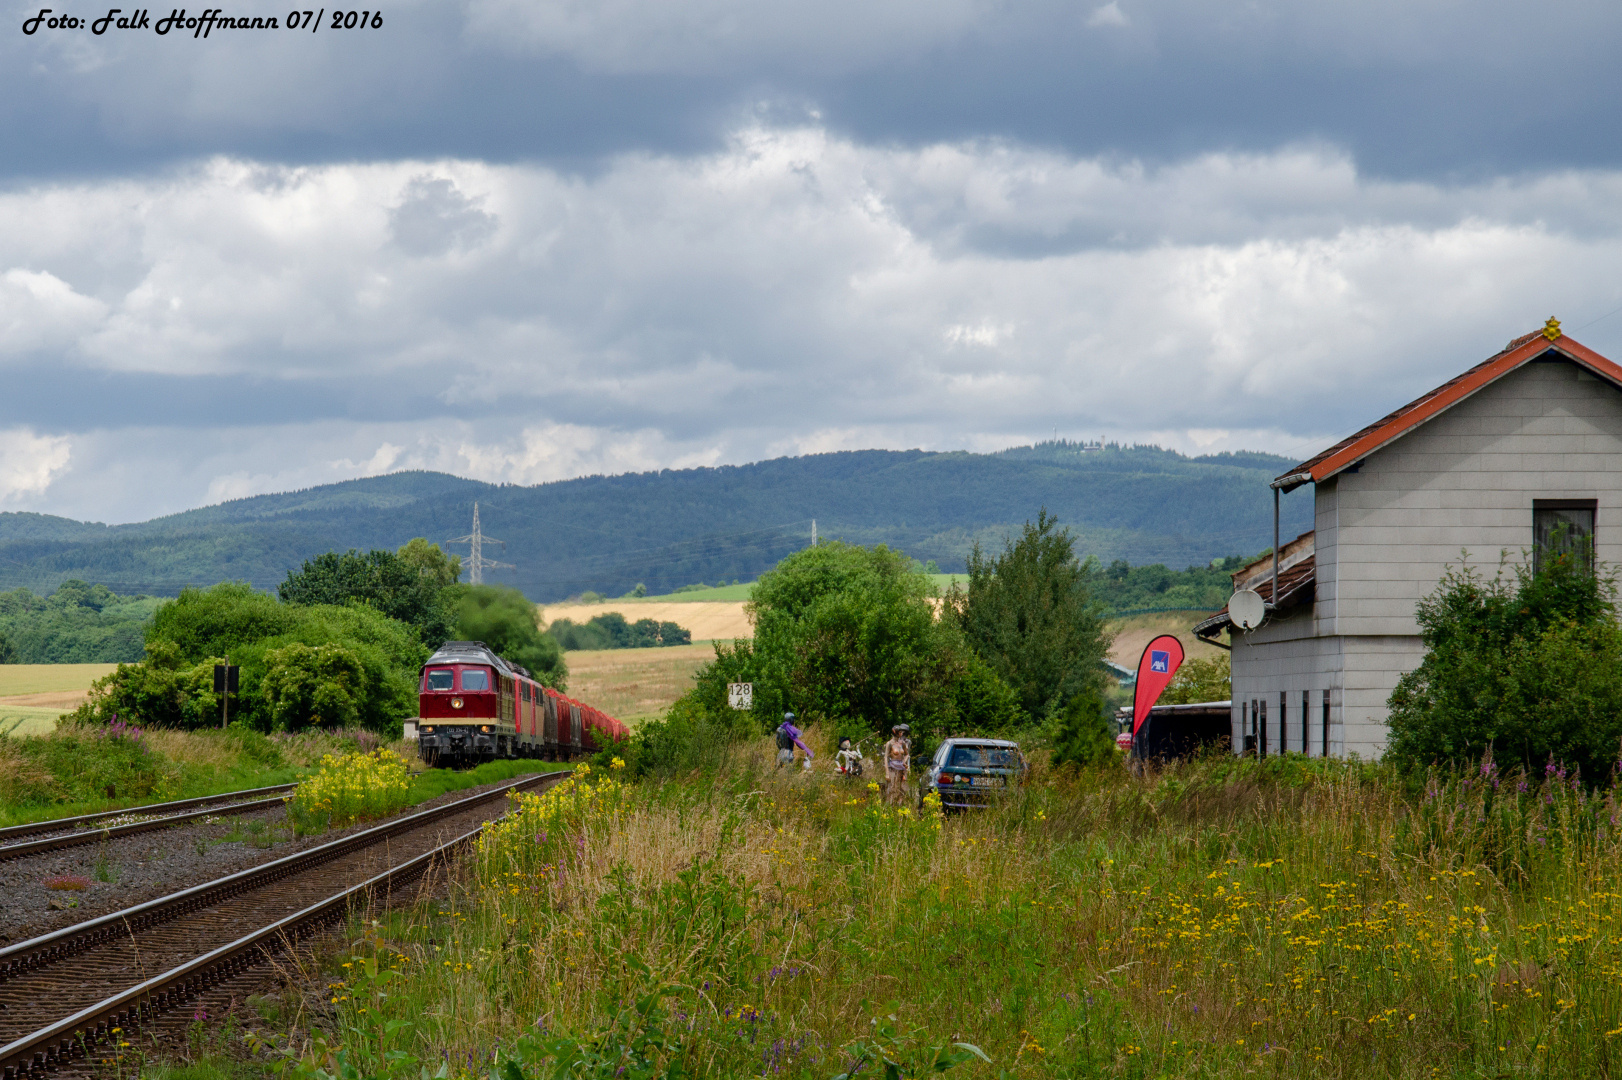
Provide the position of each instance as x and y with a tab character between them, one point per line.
50	1047
47	949
34	827
94	836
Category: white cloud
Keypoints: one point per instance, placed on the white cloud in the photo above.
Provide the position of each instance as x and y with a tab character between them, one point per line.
792	291
30	462
39	310
1108	15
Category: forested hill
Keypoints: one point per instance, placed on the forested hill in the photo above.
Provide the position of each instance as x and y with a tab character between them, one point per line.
677	527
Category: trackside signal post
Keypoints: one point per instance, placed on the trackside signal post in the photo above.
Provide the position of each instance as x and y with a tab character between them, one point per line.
225	684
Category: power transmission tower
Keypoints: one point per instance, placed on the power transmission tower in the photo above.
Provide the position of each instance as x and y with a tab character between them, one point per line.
477	564
813	532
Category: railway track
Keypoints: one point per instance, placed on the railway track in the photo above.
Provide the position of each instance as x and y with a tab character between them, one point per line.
69	832
62	993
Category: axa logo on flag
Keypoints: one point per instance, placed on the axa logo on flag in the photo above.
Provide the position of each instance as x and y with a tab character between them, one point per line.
1158	663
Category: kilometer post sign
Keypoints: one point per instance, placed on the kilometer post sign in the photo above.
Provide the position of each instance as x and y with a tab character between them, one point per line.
741	695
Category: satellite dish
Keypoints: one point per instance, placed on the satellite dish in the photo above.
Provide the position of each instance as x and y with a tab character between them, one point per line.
1247	609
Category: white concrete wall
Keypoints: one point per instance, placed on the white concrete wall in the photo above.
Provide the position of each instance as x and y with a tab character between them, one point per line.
1284	656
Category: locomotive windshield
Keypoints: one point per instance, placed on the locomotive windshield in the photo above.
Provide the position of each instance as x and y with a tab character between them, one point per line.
475	679
440	678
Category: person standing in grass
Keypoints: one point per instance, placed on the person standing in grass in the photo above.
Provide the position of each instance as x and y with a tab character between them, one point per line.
788	737
897	756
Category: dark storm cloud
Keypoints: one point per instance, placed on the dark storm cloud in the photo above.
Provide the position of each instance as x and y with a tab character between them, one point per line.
1421	89
524	241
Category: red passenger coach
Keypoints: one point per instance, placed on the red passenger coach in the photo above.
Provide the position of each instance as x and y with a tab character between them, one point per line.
474	706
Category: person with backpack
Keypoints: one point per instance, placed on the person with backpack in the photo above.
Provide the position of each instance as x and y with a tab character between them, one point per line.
788	737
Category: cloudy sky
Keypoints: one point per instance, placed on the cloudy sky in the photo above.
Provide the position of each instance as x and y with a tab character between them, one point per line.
524	240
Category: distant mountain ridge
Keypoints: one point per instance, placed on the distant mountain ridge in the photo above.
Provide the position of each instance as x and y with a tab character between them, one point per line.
675	527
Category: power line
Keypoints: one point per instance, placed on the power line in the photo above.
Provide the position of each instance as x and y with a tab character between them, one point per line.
477	563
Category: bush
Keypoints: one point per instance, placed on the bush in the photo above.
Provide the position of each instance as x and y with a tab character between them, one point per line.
80	763
321	686
1200	680
200	628
688	737
355	787
164	691
1083	735
1529	667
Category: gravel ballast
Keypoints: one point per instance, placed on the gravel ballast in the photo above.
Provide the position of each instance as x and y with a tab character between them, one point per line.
148	865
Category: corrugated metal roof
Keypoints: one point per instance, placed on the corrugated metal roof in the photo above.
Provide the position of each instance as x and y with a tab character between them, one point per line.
1349	451
1296	585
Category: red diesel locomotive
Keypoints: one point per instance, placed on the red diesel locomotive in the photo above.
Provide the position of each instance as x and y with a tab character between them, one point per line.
474	706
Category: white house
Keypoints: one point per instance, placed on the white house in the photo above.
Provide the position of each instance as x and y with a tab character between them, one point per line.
1489	462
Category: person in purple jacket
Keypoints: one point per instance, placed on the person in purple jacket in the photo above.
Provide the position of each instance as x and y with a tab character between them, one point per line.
788	737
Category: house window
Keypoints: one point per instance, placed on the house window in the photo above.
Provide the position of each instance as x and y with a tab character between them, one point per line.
1561	526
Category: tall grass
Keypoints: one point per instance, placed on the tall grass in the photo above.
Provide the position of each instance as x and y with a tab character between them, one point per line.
1221	917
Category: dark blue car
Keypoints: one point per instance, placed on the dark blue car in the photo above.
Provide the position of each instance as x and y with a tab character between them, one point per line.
969	773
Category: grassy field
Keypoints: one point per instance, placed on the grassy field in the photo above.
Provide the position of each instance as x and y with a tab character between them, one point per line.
32	696
1136	631
722	593
708	621
18	679
1222	918
634	684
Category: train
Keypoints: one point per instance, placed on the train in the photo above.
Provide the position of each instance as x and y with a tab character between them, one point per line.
475	706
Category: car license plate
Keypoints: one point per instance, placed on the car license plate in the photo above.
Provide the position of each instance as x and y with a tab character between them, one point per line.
983	781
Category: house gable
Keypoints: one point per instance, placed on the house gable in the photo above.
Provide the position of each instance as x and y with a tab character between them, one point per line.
1463	482
1547	344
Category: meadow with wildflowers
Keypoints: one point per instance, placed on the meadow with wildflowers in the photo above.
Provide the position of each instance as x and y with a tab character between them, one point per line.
1285	917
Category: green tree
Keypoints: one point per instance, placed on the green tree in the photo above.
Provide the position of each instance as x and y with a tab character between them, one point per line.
1028	614
1528	665
430	563
320	686
983	702
848	634
506	620
1082	735
610	630
408	587
8	653
1200	680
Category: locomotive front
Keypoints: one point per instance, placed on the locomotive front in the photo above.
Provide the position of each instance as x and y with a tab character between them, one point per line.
464	705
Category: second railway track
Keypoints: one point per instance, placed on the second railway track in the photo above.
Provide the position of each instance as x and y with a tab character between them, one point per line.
56	975
70	832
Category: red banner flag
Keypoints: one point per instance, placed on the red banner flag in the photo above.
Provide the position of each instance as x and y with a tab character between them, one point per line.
1160	661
